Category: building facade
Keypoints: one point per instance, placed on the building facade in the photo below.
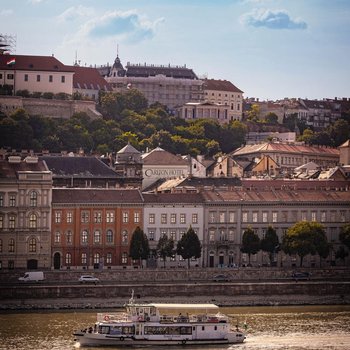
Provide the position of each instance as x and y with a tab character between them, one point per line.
25	213
92	228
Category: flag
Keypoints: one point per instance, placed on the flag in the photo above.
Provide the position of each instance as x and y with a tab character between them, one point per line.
11	62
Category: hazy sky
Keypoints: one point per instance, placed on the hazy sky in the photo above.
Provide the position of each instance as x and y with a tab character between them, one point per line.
270	49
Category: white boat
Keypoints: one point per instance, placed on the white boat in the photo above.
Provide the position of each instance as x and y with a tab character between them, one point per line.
161	324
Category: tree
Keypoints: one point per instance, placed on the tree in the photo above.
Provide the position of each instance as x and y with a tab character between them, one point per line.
253	113
139	247
271	118
305	238
270	243
250	243
341	253
344	235
165	248
189	246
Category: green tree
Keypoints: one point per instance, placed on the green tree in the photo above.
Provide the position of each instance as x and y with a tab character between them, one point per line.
165	248
253	113
270	243
139	247
250	243
341	254
271	118
307	136
339	132
344	235
305	238
189	246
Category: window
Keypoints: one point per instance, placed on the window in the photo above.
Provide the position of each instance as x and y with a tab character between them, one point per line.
151	235
245	216
11	245
323	216
12	221
255	216
32	245
69	237
83	258
0	245
182	218
97	236
211	235
63	79
264	216
125	217
38	78
33	199
125	237
109	236
32	221
12	200
96	258
1	200
25	77
109	258
231	216
313	216
222	217
152	218
69	217
50	78
84	237
57	238
194	218
333	216
136	217
1	222
97	217
110	216
57	217
303	216
231	235
163	218
10	76
173	235
85	218
274	216
342	216
173	218
68	259
124	258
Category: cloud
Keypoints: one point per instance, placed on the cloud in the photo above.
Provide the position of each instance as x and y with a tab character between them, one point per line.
123	24
75	12
278	19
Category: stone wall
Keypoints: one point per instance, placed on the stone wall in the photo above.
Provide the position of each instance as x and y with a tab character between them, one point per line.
48	108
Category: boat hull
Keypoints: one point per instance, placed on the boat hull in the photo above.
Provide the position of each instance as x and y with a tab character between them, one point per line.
96	339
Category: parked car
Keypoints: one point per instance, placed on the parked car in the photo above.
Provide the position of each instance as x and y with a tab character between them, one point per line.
32	276
88	279
301	275
220	278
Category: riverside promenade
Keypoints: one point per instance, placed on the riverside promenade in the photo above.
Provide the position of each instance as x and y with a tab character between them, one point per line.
245	287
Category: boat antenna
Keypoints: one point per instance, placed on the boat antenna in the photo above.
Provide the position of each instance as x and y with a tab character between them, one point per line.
131	300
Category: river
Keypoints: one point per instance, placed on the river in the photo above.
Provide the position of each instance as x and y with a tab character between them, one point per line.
268	328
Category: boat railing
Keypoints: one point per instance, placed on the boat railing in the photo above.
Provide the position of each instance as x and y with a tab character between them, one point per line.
112	317
200	318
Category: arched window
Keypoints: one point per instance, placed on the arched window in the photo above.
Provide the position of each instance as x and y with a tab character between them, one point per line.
32	245
11	245
33	199
97	236
109	236
125	237
68	259
69	237
57	238
96	258
33	221
83	258
109	258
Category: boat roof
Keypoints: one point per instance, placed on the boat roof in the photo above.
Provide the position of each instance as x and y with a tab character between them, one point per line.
169	306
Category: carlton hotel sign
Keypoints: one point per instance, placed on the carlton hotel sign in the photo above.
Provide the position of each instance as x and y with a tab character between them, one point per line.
153	173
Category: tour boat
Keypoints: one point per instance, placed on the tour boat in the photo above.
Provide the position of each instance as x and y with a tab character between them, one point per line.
161	324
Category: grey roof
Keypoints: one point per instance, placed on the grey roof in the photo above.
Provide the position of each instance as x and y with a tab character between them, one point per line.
128	149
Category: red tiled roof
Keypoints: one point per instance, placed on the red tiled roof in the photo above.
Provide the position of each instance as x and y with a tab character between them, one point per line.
90	196
220	85
33	63
88	78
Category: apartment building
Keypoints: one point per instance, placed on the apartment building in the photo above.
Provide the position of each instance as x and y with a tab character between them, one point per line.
92	228
25	213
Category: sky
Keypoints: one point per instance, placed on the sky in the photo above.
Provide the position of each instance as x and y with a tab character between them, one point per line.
270	49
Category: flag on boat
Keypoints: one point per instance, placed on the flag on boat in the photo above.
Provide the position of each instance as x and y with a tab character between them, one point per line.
11	62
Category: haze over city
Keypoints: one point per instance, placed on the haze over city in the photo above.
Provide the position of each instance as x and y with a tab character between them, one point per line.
270	49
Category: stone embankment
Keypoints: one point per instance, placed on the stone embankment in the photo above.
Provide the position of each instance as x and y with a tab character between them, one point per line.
246	287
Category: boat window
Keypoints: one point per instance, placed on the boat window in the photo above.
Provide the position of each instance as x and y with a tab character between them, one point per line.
104	329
